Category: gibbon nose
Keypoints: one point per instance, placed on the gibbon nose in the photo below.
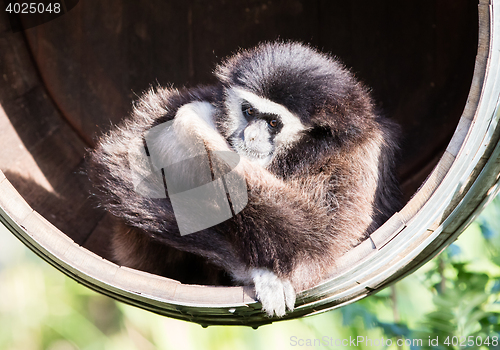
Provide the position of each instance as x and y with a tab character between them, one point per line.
251	133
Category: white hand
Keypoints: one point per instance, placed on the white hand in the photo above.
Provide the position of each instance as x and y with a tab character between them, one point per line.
274	293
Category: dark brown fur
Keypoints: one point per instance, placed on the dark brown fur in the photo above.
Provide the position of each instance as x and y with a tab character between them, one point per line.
326	194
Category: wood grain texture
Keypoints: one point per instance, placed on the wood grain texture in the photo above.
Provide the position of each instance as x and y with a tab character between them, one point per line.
418	57
41	155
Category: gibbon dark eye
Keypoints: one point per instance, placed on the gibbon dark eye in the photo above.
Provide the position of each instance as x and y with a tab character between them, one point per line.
273	123
249	112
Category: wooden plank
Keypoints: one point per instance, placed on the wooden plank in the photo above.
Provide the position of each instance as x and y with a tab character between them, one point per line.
99	241
13	204
209	296
98	57
428	188
388	230
419	70
42	155
86	55
145	283
353	257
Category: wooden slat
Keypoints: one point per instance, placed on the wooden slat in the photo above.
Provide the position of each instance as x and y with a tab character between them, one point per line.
388	230
14	205
99	240
41	155
428	188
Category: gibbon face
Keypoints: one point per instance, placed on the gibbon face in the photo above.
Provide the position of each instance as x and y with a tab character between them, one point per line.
259	128
280	97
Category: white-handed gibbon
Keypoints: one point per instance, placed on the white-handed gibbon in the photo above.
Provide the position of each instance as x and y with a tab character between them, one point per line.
316	160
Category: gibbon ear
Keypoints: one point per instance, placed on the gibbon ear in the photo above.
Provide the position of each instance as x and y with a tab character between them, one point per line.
322	132
340	135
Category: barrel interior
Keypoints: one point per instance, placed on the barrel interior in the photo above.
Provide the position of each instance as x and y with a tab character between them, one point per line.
68	80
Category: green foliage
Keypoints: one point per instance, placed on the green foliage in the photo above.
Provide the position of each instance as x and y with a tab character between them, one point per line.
466	299
463	302
465	308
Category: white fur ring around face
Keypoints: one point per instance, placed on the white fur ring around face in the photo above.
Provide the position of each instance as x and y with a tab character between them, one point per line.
274	293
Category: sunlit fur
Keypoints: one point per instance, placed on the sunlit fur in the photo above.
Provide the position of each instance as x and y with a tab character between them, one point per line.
328	182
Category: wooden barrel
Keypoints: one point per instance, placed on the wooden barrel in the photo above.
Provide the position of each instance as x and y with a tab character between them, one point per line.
433	65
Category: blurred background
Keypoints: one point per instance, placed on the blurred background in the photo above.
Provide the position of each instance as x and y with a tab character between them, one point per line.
454	295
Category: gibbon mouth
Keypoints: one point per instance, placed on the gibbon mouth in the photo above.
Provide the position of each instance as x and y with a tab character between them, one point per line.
240	148
252	153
